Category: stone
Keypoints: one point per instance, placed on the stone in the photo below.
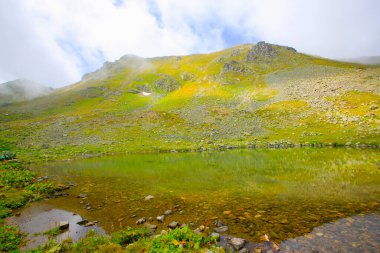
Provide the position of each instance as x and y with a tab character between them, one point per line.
215	235
161	218
141	221
63	225
91	223
221	229
151	226
173	224
133	215
261	49
219	223
237	243
374	107
166	83
168	212
244	250
82	222
150	219
183	225
149	197
201	228
82	195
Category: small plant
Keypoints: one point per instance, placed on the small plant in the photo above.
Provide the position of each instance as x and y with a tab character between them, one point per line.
181	240
10	239
130	235
6	155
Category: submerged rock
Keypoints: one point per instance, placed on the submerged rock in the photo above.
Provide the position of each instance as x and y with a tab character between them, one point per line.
221	229
82	195
141	221
161	218
149	197
237	243
151	226
173	224
63	225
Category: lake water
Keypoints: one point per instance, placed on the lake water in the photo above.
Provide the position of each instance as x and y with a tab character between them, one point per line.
282	193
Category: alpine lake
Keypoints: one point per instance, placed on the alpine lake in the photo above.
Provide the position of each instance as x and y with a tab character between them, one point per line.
326	198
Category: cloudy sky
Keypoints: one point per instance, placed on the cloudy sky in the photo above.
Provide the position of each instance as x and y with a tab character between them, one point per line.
55	42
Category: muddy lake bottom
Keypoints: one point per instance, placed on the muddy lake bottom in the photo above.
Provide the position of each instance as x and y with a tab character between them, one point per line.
305	200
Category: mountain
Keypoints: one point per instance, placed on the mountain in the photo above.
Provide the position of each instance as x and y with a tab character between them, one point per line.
243	96
21	89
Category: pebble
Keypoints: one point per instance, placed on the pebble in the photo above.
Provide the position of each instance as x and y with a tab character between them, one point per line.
82	195
168	212
237	243
141	221
151	226
161	218
221	229
149	197
173	224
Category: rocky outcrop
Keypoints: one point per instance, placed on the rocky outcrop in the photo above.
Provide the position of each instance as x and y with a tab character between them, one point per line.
236	67
166	83
261	50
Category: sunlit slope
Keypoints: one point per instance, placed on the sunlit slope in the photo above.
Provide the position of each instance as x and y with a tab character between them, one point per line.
248	94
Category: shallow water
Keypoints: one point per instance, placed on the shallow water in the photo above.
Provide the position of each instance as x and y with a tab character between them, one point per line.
282	193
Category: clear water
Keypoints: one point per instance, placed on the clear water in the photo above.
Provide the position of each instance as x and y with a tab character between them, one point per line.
282	193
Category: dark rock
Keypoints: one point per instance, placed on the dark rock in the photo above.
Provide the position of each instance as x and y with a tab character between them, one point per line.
63	225
219	223
221	229
161	218
234	66
141	221
237	243
82	222
151	226
261	50
167	83
173	224
90	224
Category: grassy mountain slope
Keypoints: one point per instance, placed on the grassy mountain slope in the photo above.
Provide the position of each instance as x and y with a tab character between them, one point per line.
248	94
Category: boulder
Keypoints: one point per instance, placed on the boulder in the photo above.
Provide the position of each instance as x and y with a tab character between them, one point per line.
173	224
141	221
237	243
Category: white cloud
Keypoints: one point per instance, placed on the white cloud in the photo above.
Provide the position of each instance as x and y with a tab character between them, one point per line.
55	42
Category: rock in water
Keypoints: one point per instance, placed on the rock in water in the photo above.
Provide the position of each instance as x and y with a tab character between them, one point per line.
173	224
221	229
63	225
140	221
149	197
215	236
237	243
151	226
219	223
82	222
161	218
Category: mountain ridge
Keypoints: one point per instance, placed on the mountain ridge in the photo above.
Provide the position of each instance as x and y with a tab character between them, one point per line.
248	95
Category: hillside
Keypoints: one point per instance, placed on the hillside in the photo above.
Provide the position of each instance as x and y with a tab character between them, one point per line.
242	96
20	90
